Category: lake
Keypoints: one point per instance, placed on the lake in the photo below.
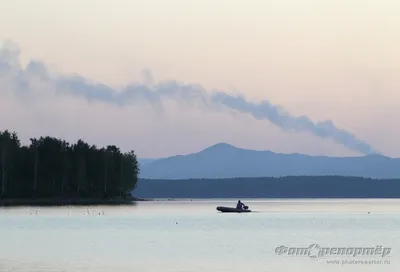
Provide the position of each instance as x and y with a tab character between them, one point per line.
173	236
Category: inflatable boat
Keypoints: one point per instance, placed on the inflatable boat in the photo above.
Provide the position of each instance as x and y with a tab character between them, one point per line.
230	209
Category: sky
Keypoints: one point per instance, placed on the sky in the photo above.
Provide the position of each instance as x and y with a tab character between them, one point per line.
174	77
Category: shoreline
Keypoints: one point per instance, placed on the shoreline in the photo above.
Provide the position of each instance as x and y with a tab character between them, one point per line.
14	202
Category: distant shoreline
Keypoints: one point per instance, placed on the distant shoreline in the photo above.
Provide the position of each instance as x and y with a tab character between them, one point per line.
291	187
13	202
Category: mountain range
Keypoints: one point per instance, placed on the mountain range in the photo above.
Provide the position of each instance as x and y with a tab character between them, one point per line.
227	161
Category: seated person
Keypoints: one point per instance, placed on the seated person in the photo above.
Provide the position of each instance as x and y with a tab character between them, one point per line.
240	205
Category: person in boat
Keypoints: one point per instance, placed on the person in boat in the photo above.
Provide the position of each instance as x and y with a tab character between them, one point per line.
240	205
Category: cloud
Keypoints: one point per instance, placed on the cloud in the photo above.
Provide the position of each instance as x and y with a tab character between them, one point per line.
35	80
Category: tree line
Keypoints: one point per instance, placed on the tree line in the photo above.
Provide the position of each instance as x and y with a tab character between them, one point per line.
52	168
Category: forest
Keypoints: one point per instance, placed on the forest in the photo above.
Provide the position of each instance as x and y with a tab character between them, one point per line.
52	168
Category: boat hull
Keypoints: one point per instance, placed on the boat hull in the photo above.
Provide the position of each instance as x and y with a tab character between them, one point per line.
231	210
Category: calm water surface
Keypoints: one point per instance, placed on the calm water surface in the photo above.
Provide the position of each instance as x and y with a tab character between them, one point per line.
191	236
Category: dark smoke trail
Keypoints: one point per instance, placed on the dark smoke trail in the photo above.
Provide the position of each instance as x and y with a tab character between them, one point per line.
154	93
266	111
195	93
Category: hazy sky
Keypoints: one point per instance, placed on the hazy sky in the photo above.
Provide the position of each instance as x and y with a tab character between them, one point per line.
327	60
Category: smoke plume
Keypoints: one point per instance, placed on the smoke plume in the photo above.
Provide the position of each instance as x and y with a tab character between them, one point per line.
20	79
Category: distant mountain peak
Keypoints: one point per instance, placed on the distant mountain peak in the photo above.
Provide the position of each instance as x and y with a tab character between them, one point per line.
223	160
220	147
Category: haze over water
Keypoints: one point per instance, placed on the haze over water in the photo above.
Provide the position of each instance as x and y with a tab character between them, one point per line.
193	236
